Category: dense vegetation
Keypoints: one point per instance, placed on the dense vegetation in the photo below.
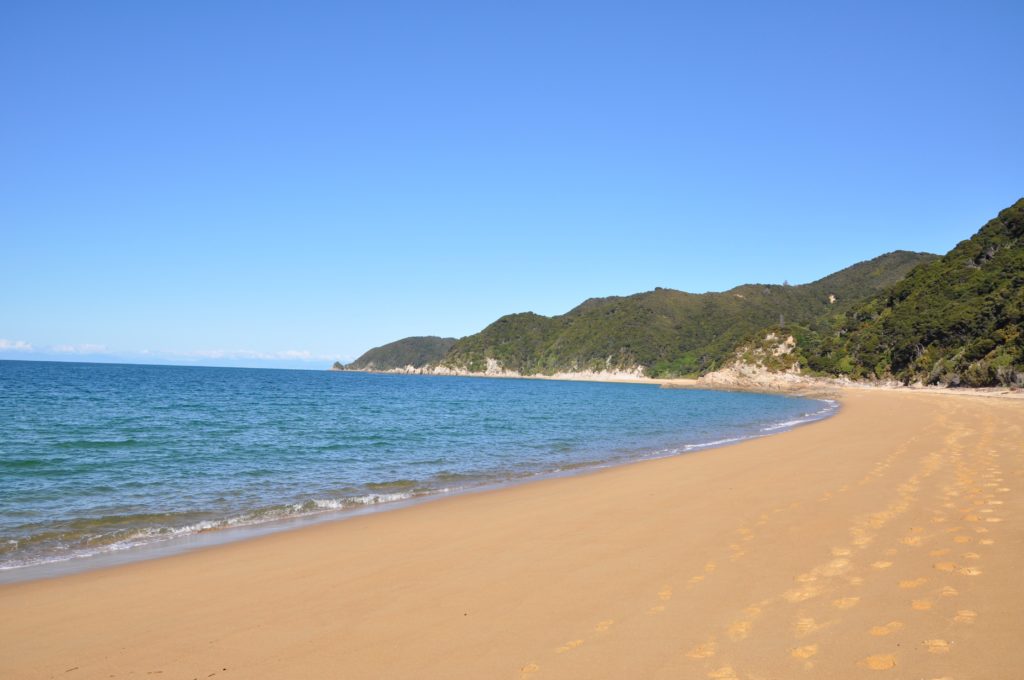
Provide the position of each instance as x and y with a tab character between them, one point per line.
668	332
416	352
958	320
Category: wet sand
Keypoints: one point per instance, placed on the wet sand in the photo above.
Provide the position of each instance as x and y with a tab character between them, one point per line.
883	542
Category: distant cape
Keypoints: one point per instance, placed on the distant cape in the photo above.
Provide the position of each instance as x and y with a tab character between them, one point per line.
414	352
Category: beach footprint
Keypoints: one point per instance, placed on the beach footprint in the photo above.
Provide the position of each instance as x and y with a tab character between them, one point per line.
887	629
568	646
704	651
845	602
878	662
805	652
965	616
937	646
806	625
739	630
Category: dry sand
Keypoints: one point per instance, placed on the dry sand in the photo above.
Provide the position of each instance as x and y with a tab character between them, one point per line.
884	542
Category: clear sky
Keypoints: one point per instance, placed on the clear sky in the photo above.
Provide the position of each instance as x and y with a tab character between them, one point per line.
283	184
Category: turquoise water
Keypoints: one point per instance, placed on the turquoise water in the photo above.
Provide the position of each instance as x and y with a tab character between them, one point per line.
97	458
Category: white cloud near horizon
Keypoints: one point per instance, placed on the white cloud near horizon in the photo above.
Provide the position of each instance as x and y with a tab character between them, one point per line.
15	345
285	355
93	349
86	348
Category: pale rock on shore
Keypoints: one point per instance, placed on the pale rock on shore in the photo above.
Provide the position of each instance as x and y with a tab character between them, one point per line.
750	371
496	370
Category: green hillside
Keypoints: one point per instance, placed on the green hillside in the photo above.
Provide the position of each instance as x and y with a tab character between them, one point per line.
958	320
416	352
669	332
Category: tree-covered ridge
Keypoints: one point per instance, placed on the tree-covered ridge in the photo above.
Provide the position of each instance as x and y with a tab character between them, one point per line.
416	352
669	332
958	320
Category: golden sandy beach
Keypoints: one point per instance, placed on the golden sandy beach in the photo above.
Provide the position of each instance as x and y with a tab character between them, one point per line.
886	542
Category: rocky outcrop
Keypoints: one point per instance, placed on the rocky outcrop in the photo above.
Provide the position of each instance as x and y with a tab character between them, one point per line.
753	376
765	365
494	369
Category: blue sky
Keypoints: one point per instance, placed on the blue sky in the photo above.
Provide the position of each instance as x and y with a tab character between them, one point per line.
283	184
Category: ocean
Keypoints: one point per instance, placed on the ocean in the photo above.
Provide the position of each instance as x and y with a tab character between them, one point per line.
107	459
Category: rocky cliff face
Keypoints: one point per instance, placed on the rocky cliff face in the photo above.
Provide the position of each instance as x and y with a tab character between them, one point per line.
766	364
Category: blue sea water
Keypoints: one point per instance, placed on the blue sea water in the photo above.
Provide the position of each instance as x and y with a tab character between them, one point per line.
97	458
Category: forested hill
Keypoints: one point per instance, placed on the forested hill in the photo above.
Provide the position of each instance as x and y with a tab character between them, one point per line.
668	332
958	320
416	352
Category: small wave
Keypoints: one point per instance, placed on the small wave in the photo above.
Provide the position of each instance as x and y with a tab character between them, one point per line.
393	484
783	425
96	443
830	406
430	461
16	463
450	475
717	442
348	502
96	537
377	498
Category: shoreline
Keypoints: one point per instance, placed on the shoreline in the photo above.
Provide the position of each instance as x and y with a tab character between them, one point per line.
635	376
763	383
882	538
232	531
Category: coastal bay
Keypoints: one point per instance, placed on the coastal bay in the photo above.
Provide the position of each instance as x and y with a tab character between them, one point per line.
515	341
885	538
